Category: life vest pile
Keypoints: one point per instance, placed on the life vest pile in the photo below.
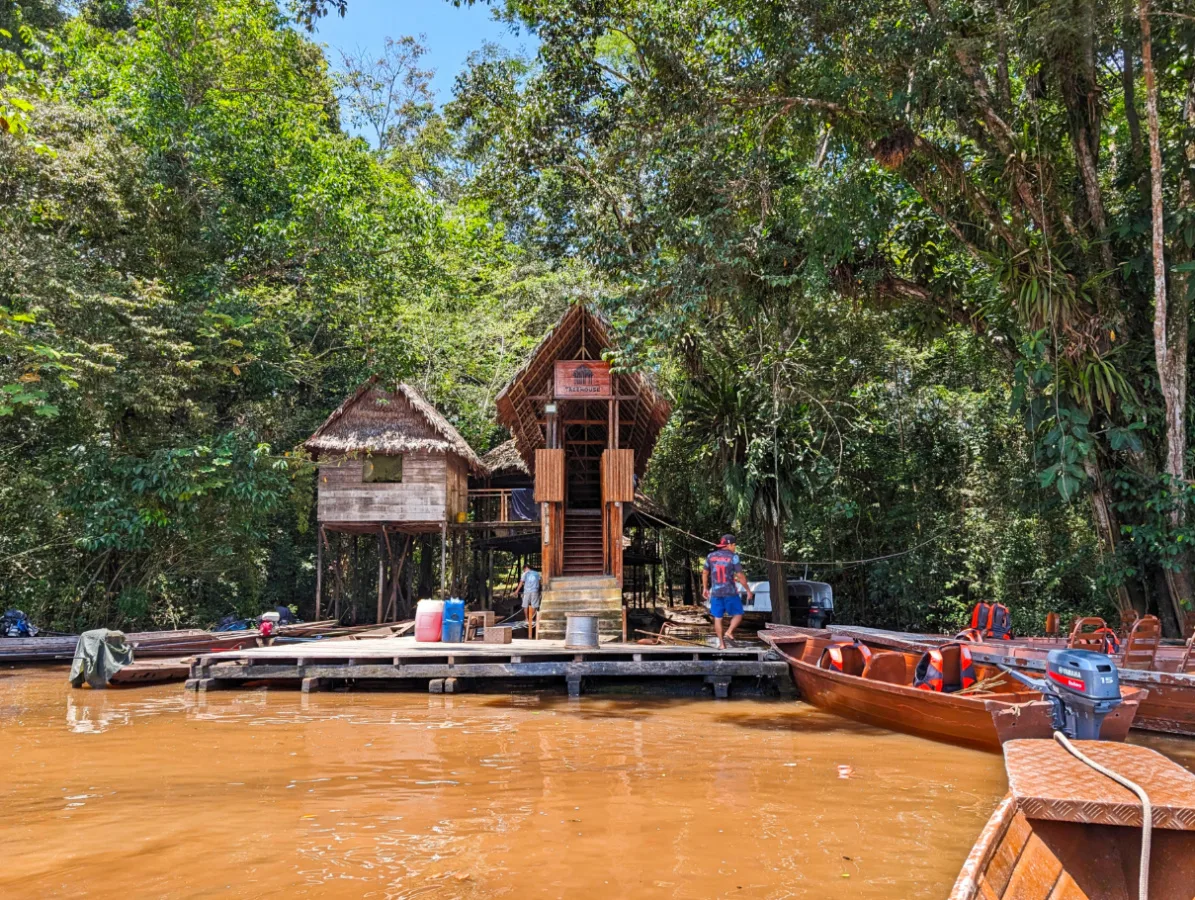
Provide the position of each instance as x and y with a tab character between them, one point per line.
832	657
931	668
992	620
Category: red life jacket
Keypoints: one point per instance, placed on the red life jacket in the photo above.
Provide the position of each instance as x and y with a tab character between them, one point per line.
974	635
930	667
1111	641
999	623
834	654
980	615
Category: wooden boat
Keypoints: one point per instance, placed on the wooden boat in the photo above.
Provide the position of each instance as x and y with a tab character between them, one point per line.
160	668
1067	832
1168	706
152	671
881	693
61	648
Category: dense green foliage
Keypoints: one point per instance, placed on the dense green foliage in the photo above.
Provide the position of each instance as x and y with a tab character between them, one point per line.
197	265
891	261
749	169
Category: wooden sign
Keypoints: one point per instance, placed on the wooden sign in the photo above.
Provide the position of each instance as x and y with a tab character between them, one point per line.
582	379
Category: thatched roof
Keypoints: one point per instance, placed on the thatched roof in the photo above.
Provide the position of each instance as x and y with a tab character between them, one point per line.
374	420
520	403
505	459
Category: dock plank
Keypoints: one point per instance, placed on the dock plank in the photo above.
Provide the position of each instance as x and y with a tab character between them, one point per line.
399	659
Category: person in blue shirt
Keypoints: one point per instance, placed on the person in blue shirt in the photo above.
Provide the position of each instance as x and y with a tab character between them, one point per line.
529	588
721	571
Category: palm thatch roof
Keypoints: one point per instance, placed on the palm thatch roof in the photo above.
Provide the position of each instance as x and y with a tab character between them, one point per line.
505	459
580	330
377	421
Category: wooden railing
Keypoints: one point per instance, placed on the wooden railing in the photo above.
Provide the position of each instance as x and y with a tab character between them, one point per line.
490	505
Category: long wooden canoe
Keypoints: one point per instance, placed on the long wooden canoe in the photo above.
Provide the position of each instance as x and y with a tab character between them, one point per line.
1066	832
982	720
1168	706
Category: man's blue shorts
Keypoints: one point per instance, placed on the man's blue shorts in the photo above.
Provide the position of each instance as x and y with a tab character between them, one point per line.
726	606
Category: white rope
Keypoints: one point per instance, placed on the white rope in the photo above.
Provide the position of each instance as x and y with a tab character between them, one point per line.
1147	813
843	563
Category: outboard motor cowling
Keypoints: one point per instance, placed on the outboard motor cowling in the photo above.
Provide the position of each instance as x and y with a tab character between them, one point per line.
1082	686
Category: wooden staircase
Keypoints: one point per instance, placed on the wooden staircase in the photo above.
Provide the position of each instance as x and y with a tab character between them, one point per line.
582	547
586	595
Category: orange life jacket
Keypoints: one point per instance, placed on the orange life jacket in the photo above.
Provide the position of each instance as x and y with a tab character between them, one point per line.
974	635
930	667
999	623
834	652
1111	641
992	620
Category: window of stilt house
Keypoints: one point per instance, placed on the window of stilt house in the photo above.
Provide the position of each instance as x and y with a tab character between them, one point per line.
382	470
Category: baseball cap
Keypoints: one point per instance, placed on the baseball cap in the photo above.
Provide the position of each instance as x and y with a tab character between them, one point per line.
727	540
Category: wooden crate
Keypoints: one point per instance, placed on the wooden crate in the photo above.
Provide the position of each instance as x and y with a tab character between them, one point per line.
499	635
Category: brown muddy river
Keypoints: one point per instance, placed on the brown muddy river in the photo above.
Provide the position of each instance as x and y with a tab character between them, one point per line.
157	793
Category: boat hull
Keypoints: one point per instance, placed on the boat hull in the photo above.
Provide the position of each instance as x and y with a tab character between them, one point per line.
1168	700
1067	832
1168	706
982	723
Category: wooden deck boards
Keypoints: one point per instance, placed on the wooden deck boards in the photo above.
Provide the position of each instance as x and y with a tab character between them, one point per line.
319	665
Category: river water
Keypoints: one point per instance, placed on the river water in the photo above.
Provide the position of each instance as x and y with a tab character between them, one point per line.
154	792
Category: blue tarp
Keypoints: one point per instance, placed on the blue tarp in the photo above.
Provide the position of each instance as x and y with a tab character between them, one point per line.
523	506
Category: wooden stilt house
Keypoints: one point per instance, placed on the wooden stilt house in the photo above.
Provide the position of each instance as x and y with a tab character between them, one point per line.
585	434
390	465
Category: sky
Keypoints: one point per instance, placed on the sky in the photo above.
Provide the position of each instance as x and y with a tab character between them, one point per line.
450	33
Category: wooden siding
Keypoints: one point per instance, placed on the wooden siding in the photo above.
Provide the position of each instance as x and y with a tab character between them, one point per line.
457	487
422	496
618	476
549	476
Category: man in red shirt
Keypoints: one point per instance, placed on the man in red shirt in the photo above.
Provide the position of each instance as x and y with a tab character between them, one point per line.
721	571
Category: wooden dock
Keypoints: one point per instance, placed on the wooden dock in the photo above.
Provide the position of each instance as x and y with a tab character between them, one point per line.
398	663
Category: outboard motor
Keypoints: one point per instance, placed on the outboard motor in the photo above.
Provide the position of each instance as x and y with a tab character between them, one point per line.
1083	688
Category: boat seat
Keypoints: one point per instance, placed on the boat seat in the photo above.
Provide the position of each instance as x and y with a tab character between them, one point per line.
952	676
853	661
887	666
1084	635
1141	648
1128	618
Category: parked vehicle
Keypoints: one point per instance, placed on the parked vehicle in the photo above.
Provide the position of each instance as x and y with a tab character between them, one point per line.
810	603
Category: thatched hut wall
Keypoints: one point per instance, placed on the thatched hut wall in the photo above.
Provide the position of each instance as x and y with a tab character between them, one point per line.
376	425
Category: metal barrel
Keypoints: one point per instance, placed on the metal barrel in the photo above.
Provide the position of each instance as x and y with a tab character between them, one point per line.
581	632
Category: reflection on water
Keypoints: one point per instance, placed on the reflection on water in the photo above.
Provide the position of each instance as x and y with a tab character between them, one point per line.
159	793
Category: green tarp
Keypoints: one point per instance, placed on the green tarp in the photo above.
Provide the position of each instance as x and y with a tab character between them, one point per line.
99	655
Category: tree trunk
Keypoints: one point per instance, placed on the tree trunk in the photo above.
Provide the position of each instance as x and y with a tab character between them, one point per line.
1107	527
426	552
1128	75
1170	332
773	541
688	597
